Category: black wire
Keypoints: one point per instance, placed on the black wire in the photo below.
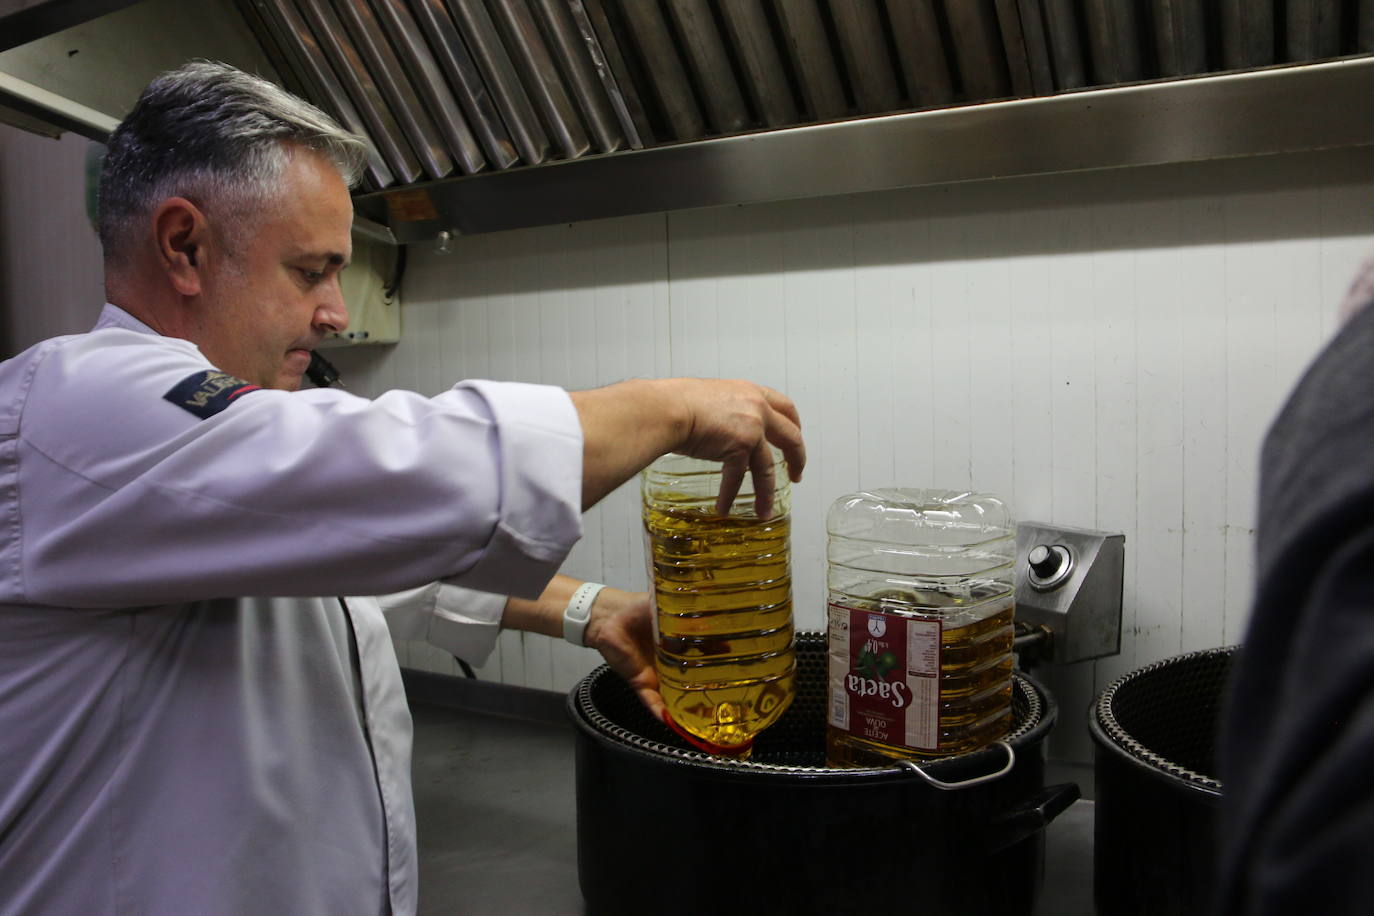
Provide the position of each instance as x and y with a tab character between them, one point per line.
397	272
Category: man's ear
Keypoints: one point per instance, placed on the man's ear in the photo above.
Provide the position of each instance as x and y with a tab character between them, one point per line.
181	231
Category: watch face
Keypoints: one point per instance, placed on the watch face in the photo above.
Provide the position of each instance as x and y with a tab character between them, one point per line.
877	625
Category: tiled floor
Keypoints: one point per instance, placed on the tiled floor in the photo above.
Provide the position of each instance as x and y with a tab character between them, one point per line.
496	811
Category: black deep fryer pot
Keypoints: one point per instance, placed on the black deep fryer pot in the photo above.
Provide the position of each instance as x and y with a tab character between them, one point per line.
665	829
1155	825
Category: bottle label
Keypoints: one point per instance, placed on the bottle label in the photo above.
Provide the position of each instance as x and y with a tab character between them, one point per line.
885	677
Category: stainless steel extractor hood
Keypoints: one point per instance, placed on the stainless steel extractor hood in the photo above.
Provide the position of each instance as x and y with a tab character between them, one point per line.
495	114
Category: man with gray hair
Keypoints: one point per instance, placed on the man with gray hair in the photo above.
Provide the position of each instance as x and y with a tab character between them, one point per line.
184	726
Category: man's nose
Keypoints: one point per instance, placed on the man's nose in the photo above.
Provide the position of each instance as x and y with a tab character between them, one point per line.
331	314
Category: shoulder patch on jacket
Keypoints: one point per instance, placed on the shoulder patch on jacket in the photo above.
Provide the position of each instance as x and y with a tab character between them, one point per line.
208	392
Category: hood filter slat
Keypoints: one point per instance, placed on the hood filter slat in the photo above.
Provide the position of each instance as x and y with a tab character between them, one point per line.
1114	41
532	60
611	67
448	87
400	96
570	49
1247	33
314	75
808	48
657	65
498	72
764	78
427	78
466	82
863	48
704	50
361	88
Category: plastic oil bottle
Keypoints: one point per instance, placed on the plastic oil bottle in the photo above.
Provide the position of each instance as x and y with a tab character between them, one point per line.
722	590
919	624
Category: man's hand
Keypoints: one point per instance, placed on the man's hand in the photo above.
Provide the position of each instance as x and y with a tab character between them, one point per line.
734	422
627	425
621	629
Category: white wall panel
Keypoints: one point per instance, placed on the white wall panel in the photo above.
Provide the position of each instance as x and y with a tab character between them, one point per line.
1104	350
883	351
1155	547
1200	289
1074	447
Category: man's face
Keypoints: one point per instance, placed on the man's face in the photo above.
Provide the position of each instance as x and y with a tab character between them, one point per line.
274	292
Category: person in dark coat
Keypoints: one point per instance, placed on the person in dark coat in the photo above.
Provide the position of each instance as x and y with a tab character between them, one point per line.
1297	741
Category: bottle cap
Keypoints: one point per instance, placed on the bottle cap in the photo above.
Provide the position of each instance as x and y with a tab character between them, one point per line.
702	744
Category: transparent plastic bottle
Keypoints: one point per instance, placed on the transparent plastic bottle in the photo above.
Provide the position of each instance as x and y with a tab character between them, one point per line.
722	589
920	624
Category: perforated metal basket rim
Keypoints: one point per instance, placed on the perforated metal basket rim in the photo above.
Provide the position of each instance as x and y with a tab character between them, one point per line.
1123	739
591	716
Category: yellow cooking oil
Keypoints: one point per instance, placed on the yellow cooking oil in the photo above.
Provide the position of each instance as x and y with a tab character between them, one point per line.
919	624
972	690
722	590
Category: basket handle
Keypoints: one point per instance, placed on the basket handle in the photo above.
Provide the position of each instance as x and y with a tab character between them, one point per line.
964	783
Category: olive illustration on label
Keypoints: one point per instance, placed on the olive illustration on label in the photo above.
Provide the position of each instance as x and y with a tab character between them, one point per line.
886	662
875	667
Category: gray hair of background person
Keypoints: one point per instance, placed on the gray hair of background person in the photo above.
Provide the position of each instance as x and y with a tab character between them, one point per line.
215	135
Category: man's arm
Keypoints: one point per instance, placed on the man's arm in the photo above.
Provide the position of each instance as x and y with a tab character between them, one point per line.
620	628
627	425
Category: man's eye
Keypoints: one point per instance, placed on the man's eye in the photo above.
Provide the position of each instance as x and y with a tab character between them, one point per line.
312	276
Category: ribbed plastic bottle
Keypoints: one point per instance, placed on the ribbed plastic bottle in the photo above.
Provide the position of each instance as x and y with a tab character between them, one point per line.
722	590
919	625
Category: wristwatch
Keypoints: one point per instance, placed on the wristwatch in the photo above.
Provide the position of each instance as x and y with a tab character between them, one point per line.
579	611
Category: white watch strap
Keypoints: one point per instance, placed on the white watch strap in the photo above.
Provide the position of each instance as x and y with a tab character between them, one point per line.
579	611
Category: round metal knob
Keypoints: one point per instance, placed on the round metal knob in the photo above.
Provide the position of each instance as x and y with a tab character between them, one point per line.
1049	565
1044	562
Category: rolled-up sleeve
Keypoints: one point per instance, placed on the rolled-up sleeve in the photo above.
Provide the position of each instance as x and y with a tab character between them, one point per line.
539	465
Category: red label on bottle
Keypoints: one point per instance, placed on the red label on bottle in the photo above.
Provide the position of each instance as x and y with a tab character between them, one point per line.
884	677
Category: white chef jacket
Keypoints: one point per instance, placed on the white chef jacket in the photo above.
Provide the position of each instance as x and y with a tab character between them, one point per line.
167	746
459	620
